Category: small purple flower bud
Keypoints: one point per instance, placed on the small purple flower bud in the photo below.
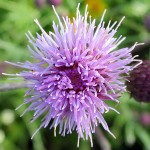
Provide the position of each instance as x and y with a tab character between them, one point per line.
145	119
147	22
40	3
55	2
139	85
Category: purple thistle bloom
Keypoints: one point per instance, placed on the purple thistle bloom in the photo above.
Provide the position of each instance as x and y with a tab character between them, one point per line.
76	69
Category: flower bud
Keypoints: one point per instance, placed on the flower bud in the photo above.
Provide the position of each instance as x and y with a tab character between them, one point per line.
139	82
55	2
40	3
145	119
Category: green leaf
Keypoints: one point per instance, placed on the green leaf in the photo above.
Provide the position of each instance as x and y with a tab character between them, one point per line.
129	133
143	135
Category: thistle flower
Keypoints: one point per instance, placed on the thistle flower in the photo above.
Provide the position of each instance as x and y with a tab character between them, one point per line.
76	70
139	82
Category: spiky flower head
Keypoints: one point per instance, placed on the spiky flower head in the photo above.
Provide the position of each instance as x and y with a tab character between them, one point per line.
139	82
76	69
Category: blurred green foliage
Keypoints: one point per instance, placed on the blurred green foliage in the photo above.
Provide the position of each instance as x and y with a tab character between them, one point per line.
16	18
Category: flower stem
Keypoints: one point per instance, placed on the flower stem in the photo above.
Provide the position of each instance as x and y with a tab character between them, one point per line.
12	86
101	140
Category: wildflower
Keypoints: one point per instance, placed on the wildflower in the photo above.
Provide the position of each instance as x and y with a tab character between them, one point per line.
76	70
55	2
139	82
145	119
40	3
